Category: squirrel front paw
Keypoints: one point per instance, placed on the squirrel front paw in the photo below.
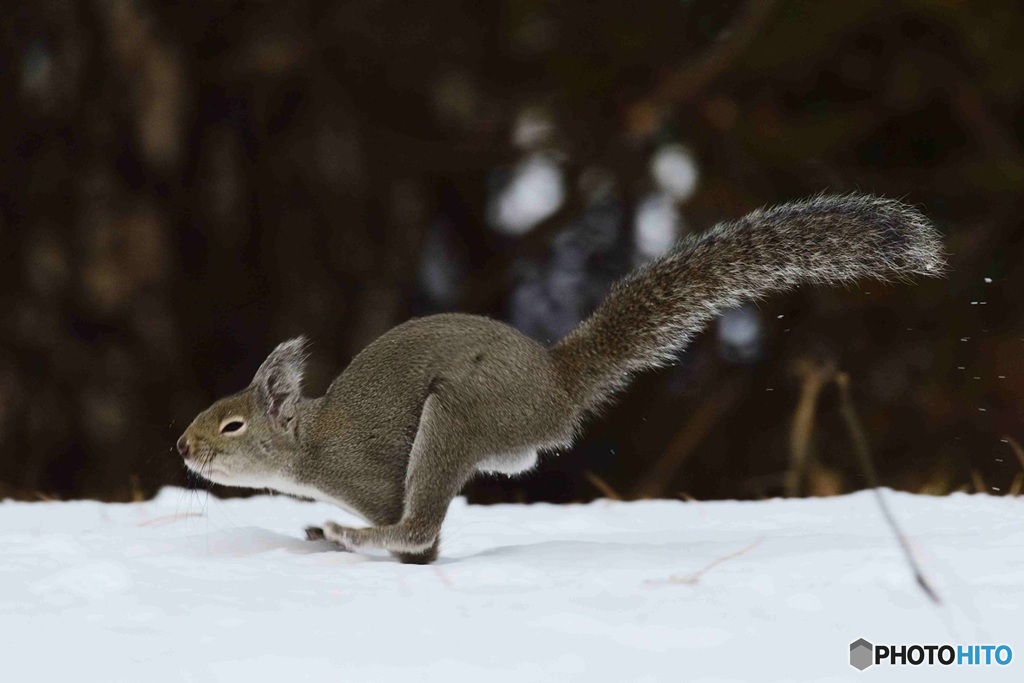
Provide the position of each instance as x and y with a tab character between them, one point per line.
337	534
314	533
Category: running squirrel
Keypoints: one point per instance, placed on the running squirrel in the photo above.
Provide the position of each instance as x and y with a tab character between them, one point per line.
436	400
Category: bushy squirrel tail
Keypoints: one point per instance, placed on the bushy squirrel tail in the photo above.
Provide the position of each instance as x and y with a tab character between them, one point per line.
654	312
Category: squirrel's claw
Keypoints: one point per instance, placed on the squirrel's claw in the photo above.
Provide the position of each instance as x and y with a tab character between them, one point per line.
316	533
337	534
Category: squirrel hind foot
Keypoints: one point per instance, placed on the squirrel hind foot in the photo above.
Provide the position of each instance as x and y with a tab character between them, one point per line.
423	557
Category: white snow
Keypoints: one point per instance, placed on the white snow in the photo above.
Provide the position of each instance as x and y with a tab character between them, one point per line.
535	192
675	171
740	327
658	221
182	588
658	225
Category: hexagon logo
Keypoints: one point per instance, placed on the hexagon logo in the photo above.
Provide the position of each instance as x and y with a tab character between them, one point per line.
861	654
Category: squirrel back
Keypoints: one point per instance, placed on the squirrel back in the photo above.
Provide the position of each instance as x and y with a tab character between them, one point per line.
654	312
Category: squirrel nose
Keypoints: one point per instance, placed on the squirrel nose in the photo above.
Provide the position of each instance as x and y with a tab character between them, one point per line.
183	447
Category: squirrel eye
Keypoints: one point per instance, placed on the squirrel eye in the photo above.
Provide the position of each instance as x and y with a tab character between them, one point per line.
232	425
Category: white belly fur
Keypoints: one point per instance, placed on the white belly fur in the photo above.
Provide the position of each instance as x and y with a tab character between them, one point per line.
512	463
294	488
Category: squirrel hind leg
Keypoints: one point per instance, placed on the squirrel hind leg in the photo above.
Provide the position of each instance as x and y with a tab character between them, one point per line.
439	464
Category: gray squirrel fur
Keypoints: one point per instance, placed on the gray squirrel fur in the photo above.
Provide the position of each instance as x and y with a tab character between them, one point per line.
435	400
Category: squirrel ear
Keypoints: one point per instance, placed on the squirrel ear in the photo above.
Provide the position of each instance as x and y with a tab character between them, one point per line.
278	382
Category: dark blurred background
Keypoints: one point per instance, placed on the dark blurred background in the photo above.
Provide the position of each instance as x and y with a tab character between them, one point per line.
186	184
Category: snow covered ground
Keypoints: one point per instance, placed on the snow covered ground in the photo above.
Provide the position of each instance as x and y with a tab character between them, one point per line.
175	589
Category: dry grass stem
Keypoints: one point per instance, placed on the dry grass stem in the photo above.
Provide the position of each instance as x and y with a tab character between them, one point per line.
860	446
695	577
659	477
601	485
814	376
1017	449
1017	485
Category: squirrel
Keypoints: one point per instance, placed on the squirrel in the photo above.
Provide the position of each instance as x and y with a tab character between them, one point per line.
436	400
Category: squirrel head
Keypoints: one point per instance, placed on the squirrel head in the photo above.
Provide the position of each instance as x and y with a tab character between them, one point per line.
249	438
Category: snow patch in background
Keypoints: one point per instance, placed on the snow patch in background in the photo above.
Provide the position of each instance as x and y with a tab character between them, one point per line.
181	589
739	334
675	171
534	193
657	225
